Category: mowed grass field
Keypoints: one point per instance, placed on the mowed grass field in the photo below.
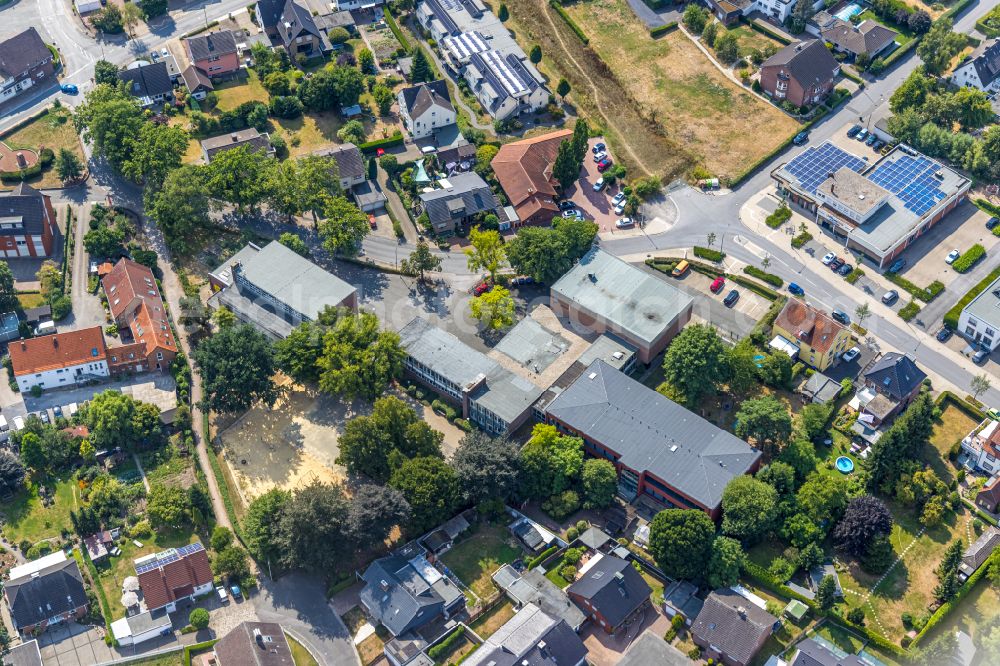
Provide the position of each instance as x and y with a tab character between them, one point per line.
725	126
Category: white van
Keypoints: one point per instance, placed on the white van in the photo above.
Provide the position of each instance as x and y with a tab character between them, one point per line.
18	423
45	328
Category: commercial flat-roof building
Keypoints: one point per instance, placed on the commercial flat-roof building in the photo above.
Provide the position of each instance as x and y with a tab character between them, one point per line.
979	321
876	209
490	396
662	451
605	294
276	289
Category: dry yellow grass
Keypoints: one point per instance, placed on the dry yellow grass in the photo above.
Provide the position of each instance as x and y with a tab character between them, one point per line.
724	125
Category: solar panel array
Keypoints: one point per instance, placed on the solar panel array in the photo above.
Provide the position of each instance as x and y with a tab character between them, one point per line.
814	165
912	180
464	45
500	69
168	556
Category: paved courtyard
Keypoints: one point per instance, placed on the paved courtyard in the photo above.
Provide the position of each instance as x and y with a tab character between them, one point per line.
74	645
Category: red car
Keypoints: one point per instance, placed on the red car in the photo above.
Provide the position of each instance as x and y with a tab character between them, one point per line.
380	152
718	284
481	288
603	165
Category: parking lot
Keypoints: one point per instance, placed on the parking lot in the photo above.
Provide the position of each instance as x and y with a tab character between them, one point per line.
595	206
853	146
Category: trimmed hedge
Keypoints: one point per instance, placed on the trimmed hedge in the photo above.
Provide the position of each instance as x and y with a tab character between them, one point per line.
969	258
926	294
45	158
577	30
666	265
758	289
951	317
965	406
197	647
769	278
909	311
763	28
388	142
709	254
662	29
535	561
81	555
949	605
448	644
394	28
198	31
852	76
855	275
987	207
779	217
901	52
801	239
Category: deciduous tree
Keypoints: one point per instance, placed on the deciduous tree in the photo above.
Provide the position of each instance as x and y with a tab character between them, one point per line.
487	252
865	519
237	366
494	309
487	467
695	364
432	489
766	421
939	45
420	261
181	207
550	462
749	509
600	483
168	506
260	525
725	563
344	225
680	540
369	443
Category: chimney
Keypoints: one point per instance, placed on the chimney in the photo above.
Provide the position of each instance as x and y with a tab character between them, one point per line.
235	137
55	342
742	611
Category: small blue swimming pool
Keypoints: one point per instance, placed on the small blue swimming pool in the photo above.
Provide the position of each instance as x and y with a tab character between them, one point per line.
845	465
850	10
758	360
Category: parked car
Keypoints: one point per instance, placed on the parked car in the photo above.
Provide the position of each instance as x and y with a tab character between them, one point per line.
944	334
598	148
862	135
237	594
625	223
69	88
731	298
57	410
827	258
522	279
569	212
870	141
223	595
566	204
154	56
620	208
164	52
886	149
836	263
599	184
801	138
980	356
841	316
897	265
481	288
992	223
795	289
681	268
618	198
993	413
851	354
604	165
878	144
600	156
890	297
718	284
853	132
845	269
952	256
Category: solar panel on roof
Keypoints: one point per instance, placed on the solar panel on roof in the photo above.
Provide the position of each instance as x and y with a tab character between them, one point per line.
911	178
168	556
815	164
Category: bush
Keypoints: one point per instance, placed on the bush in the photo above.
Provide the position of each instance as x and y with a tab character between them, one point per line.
545	554
568	572
951	317
769	278
572	534
709	254
577	30
199	618
779	217
561	505
969	258
909	311
926	294
801	239
448	644
854	276
371	146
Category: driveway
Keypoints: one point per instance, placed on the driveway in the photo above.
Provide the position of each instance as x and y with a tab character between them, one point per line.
87	308
606	650
298	602
79	395
74	645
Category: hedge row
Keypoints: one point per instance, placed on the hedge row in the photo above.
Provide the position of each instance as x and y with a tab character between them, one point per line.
855	275
577	30
662	29
779	216
949	605
198	31
955	9
535	561
951	317
448	644
774	153
667	264
900	52
45	157
763	28
965	406
969	258
220	479
926	294
755	287
987	207
394	28
909	311
197	647
769	278
848	74
709	254
80	555
801	239
388	142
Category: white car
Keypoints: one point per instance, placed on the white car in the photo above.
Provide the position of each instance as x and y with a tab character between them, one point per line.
625	223
223	595
618	198
952	256
620	208
828	258
599	185
600	156
570	213
851	354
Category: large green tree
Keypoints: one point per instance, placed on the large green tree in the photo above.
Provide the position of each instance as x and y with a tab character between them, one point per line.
545	253
110	120
168	506
766	421
600	482
550	462
494	309
749	509
157	150
359	358
940	45
421	261
566	168
487	467
343	226
116	419
487	251
823	497
369	444
241	177
8	293
680	540
432	489
725	563
260	524
181	207
237	366
695	364
311	529
901	442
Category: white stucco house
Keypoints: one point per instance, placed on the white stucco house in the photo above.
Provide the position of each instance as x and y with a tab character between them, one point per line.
60	359
981	68
425	108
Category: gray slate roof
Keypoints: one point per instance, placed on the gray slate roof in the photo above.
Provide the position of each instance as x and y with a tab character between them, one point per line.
247	137
147	80
519	641
25	654
270	11
532	587
26	203
986	59
342	19
896	374
650	649
350	163
196	80
21	52
982	548
296	21
219	43
812	653
469	194
733	624
58	588
240	646
653	433
407	600
866	37
443	353
807	61
613	587
421	97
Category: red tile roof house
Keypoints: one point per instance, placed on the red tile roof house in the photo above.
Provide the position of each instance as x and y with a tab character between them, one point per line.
524	171
801	73
174	576
214	53
27	223
136	306
59	360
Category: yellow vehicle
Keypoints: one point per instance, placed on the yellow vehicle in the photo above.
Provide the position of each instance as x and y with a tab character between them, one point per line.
681	268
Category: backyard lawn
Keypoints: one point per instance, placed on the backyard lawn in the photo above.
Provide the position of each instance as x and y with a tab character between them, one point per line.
476	558
53	130
487	624
975	613
370	649
905	34
750	40
30	300
25	517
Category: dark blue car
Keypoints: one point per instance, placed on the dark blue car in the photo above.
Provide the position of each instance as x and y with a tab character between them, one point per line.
69	89
795	289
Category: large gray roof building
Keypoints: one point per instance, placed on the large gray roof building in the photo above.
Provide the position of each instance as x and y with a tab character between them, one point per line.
405	595
532	587
492	397
606	294
662	450
275	289
530	638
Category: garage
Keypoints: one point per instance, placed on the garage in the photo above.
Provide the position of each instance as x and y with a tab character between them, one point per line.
140	628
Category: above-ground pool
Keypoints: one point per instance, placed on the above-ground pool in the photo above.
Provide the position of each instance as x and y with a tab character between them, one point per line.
845	465
848	11
758	360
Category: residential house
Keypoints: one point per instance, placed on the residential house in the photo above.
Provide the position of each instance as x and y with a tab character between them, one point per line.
811	653
492	397
906	194
610	591
214	53
350	165
174	576
607	295
981	68
820	339
665	454
60	359
98	545
440	540
338	19
530	638
254	644
150	84
26	653
731	11
980	550
820	389
27	223
197	82
868	37
137	307
979	321
982	445
250	137
524	170
650	649
459	201
298	32
25	61
425	108
681	598
141	627
266	15
731	629
275	289
897	377
406	594
45	592
530	586
801	73
988	497
348	5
